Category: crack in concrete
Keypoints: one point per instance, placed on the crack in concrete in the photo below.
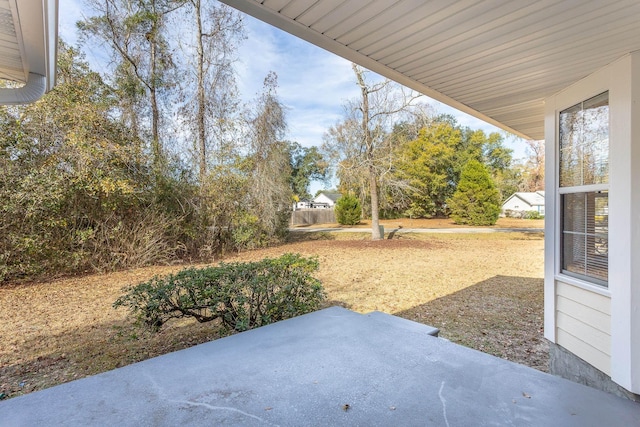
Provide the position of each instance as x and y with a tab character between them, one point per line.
224	408
444	404
160	392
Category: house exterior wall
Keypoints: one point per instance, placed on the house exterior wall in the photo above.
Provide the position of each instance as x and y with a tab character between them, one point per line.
600	325
517	204
321	198
583	324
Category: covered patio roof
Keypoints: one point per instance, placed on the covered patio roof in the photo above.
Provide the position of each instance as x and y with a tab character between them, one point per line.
496	60
28	38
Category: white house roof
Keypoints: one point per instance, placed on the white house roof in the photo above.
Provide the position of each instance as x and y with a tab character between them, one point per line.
494	59
28	41
330	195
532	199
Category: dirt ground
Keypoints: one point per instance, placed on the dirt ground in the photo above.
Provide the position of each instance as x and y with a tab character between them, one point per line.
481	290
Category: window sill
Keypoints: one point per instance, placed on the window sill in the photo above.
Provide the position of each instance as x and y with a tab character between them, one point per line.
583	284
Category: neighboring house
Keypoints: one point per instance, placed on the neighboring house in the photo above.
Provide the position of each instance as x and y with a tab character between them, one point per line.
302	204
326	200
525	202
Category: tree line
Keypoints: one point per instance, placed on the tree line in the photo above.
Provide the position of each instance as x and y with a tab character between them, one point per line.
399	158
156	158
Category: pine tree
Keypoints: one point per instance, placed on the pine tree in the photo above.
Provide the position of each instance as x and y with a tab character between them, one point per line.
348	210
476	200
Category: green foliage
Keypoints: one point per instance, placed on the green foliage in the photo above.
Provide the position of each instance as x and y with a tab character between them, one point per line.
430	164
508	181
533	215
426	164
242	295
476	201
348	210
307	164
79	191
76	192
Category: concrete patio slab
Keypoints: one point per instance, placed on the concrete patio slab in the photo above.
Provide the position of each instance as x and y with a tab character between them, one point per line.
329	368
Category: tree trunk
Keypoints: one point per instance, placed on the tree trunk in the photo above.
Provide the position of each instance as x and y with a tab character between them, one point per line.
155	113
200	115
375	217
373	183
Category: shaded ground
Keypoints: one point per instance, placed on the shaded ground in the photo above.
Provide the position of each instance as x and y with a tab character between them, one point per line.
434	223
484	291
500	316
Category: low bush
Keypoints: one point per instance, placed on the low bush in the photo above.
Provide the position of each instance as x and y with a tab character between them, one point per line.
523	214
533	215
242	295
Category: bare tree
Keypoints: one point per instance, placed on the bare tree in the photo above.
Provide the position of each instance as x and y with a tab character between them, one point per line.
135	30
534	166
271	194
209	91
363	145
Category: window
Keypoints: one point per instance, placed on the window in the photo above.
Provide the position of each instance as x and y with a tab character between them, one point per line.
584	189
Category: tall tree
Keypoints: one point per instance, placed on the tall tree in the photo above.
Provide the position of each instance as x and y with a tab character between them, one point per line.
427	165
491	152
209	92
534	166
307	164
363	145
269	161
135	31
487	149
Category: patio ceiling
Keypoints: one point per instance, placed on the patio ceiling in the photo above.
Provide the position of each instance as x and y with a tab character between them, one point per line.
497	59
28	37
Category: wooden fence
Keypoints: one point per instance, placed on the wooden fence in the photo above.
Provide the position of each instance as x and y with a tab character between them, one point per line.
313	216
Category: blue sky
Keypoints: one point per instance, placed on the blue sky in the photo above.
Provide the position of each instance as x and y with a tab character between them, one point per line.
313	83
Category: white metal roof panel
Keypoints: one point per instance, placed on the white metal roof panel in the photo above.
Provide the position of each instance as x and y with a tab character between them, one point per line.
495	59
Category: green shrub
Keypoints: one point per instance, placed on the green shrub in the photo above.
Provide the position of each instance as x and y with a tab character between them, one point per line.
533	215
242	295
476	200
348	210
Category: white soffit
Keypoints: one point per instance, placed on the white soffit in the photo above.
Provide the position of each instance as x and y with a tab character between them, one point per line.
12	66
28	46
494	59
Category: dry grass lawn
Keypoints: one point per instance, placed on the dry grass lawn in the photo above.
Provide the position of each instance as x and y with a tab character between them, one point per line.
481	290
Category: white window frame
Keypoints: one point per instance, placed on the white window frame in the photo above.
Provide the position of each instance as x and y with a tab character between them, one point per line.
581	280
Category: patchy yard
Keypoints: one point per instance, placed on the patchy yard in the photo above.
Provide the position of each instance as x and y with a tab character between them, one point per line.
481	290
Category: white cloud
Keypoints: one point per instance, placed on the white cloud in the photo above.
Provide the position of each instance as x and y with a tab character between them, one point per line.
313	83
69	12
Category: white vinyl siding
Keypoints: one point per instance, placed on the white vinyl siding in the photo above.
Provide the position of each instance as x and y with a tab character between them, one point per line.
583	324
516	204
